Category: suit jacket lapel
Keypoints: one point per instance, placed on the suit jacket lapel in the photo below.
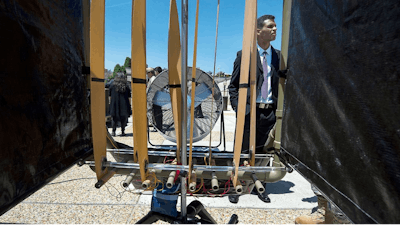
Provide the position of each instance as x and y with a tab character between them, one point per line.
259	63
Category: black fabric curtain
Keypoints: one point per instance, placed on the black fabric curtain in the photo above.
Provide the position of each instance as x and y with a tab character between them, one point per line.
44	107
341	118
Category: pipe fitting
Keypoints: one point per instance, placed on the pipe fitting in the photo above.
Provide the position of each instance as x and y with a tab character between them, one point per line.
192	187
239	189
146	184
259	187
171	178
214	182
128	180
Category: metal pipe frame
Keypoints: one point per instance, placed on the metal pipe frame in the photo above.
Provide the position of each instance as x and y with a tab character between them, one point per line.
184	37
194	154
202	168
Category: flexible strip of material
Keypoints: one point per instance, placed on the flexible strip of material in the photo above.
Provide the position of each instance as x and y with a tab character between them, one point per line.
138	61
212	99
193	92
253	65
248	33
97	95
283	66
174	73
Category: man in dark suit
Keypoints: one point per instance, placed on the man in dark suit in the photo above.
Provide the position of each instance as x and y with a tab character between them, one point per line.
267	89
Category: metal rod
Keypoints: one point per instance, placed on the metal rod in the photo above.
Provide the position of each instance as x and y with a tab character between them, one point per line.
215	62
169	167
195	154
184	35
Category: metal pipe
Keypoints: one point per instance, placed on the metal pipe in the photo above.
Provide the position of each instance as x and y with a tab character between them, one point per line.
259	187
171	178
184	35
195	154
203	168
214	182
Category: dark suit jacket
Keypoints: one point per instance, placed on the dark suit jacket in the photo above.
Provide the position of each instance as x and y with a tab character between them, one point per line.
234	85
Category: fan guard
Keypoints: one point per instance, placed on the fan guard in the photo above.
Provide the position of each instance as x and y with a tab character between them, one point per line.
207	110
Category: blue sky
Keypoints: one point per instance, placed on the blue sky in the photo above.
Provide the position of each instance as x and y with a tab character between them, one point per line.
230	31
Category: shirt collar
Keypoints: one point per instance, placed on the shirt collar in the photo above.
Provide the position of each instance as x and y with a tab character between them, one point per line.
260	50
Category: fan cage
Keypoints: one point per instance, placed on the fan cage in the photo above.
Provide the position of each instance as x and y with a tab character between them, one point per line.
208	106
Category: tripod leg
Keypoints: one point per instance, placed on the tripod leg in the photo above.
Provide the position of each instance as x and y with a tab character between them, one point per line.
196	208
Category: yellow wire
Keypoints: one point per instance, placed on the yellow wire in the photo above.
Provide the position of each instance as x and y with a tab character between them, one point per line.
201	185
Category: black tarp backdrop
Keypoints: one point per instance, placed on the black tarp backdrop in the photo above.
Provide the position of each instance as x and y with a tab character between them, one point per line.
342	103
44	110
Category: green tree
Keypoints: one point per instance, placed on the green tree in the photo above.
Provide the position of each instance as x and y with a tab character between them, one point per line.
220	74
127	62
118	68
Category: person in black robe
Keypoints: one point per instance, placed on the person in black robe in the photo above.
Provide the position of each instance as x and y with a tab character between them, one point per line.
120	107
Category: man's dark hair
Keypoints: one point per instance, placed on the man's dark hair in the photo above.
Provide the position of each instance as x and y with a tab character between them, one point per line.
262	19
158	69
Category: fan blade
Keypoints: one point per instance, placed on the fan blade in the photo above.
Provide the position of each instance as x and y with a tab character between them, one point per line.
163	99
202	93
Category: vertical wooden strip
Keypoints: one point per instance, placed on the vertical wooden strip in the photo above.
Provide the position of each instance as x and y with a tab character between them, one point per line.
283	63
174	73
139	105
253	65
97	91
248	33
193	92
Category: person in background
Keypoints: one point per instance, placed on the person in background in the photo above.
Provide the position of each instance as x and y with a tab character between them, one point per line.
157	70
120	107
267	89
157	110
150	76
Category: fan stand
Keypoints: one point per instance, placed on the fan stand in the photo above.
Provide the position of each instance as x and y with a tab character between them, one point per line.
222	136
196	213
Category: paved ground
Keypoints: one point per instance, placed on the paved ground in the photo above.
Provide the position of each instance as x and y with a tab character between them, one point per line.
72	197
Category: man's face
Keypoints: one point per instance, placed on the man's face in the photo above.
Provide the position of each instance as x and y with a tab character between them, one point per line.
268	31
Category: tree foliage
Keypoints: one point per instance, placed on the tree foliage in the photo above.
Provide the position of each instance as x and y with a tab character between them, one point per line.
127	62
118	68
220	74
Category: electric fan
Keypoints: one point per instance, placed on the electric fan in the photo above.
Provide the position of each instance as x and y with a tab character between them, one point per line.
208	107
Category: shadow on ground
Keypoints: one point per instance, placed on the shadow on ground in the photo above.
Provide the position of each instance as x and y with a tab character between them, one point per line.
310	199
280	187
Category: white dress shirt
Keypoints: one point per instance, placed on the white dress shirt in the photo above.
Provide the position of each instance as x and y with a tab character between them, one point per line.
267	76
